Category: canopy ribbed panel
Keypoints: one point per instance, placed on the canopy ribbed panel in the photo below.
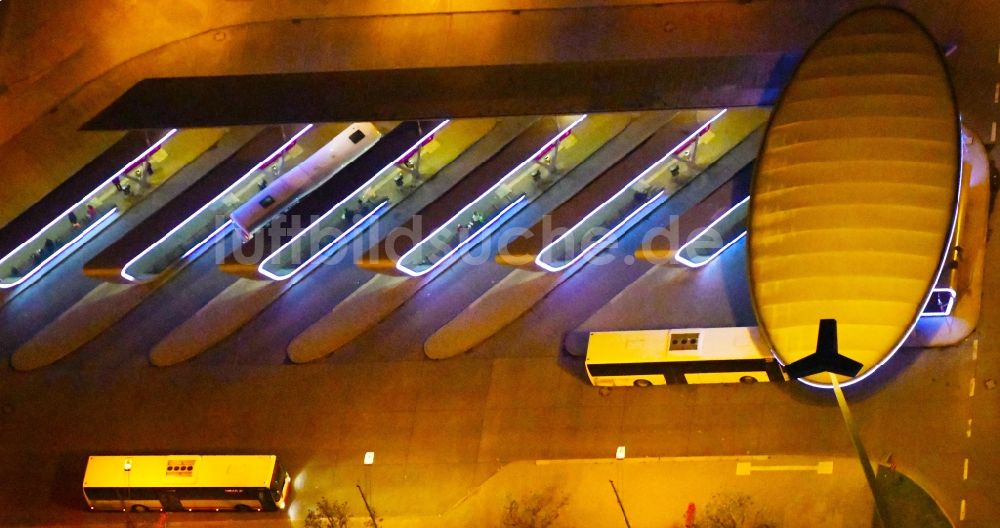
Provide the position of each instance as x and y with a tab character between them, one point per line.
855	191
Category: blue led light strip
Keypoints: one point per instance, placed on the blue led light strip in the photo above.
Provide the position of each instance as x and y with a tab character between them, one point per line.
533	159
128	276
680	146
472	237
100	222
680	258
349	231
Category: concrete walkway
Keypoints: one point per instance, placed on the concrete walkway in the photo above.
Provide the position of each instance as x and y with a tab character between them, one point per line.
793	492
520	290
102	307
107	304
509	299
221	317
243	300
361	310
788	491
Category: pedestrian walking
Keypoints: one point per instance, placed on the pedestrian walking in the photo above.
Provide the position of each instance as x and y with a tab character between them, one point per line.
147	167
91	212
118	183
73	220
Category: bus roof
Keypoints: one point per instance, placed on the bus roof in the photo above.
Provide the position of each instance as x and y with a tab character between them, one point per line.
688	344
172	471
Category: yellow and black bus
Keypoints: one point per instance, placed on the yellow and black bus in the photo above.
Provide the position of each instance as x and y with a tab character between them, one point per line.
693	355
186	483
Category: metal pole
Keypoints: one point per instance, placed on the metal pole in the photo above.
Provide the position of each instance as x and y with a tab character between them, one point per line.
880	510
371	513
555	157
620	505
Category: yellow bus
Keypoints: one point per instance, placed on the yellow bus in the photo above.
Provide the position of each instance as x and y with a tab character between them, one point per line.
693	355
186	483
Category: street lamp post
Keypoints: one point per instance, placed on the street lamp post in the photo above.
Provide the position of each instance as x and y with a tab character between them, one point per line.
866	465
827	358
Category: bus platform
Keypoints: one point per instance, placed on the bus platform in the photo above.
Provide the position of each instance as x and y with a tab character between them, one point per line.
715	133
570	143
523	288
523	250
228	311
546	152
162	225
83	204
382	258
699	233
327	217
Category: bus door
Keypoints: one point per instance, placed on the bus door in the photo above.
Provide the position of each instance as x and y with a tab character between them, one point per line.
170	502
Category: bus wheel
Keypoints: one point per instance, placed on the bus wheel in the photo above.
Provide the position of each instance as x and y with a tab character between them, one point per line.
748	379
139	508
242	508
642	383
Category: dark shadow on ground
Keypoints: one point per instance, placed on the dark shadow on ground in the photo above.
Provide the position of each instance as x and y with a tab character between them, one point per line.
907	504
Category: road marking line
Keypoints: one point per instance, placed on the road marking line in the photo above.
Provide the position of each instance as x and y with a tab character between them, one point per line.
961	511
968	429
996	93
972	387
643	460
975	349
993	132
965	470
822	468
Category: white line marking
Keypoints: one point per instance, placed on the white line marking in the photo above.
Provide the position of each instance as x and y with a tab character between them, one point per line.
961	511
993	132
822	468
965	470
972	387
975	349
968	429
996	93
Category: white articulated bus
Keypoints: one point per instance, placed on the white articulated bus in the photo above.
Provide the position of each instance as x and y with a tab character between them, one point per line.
186	483
693	355
304	177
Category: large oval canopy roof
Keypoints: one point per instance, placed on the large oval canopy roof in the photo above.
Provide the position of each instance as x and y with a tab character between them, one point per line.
854	198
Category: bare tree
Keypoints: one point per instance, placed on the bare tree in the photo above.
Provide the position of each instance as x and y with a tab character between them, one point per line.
735	510
328	515
534	510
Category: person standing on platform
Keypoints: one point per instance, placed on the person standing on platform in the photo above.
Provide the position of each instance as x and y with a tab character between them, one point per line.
118	183
147	167
91	212
73	220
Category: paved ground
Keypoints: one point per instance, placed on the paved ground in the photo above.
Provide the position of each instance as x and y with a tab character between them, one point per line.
440	428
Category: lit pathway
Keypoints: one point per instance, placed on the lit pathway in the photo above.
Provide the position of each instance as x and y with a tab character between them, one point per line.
243	300
520	290
378	298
